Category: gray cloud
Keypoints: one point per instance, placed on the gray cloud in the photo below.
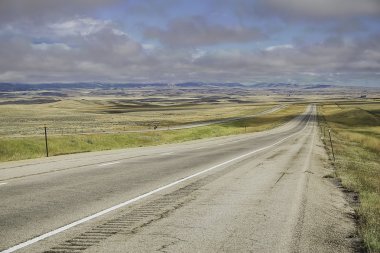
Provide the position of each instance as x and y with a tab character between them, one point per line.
108	56
196	31
305	10
89	48
39	11
62	43
152	7
333	55
319	9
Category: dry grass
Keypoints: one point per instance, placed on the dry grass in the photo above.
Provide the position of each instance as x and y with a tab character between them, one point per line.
97	115
356	137
32	147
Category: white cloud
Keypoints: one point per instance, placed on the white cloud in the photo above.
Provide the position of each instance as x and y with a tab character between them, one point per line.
310	73
149	46
84	27
273	48
53	46
198	54
119	32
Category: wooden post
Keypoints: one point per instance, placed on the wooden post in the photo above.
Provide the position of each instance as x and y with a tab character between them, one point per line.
46	142
332	148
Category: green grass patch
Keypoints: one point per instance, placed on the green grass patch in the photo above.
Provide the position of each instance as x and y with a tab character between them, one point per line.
355	134
33	147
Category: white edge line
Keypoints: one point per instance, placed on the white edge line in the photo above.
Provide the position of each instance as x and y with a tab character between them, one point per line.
105	164
105	211
3	183
167	153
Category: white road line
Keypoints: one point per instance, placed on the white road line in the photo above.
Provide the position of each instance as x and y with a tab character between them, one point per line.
198	148
168	153
128	202
106	164
3	183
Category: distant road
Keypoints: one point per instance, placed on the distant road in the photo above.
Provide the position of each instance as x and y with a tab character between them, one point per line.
205	123
211	122
261	192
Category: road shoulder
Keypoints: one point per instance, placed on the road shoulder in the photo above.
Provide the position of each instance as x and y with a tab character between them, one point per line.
327	224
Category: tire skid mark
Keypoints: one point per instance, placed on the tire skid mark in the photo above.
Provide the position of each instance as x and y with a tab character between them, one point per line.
137	218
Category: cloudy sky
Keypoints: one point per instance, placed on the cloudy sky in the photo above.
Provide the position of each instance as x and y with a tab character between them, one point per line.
248	41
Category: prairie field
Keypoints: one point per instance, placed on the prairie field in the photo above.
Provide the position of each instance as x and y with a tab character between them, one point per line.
355	129
92	123
97	116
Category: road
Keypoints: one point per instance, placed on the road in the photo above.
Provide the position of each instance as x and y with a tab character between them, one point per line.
261	192
212	122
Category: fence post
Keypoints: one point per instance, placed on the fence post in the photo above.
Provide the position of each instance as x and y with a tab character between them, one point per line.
46	142
332	148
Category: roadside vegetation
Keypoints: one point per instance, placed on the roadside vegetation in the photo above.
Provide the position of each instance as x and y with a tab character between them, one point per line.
34	146
355	128
102	114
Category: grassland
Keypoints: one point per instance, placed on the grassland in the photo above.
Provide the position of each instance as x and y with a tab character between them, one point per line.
33	146
97	115
356	138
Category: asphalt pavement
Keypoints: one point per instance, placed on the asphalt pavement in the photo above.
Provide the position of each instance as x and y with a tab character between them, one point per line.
260	192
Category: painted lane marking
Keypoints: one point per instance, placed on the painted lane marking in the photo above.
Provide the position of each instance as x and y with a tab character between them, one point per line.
168	153
3	183
128	202
106	164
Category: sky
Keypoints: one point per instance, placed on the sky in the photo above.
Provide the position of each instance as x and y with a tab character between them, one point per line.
172	41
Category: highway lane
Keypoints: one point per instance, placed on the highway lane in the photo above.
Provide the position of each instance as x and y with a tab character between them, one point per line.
43	195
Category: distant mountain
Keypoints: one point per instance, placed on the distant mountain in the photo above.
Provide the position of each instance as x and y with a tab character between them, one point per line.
8	87
13	87
49	87
276	86
319	86
202	84
4	87
291	86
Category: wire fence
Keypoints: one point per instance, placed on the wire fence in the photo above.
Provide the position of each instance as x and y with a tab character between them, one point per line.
67	129
73	125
